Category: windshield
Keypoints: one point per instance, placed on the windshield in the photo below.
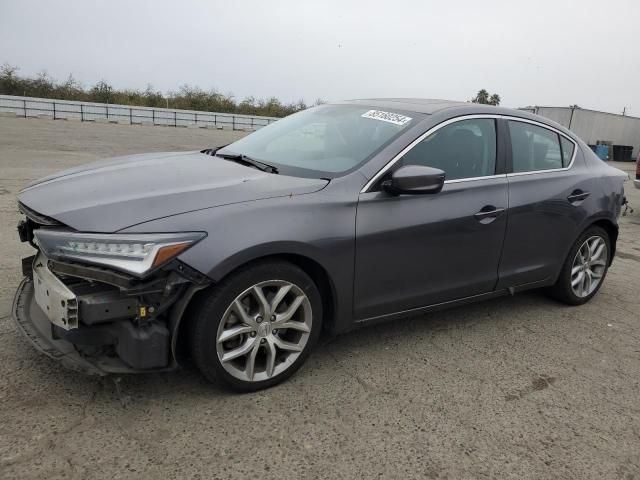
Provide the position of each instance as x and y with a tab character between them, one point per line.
323	141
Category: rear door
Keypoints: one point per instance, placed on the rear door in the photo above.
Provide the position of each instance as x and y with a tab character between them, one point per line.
419	250
548	188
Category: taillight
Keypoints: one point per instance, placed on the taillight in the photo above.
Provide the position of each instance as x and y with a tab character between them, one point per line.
638	168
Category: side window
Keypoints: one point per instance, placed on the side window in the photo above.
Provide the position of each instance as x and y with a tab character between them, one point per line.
534	148
567	151
463	149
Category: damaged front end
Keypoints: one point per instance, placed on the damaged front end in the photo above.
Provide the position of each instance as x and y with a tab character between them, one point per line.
97	318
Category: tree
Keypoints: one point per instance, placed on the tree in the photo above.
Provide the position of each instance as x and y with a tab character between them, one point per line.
71	89
9	80
298	106
43	85
153	98
101	92
248	106
187	97
483	97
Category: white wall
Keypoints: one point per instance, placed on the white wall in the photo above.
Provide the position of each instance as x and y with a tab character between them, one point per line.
592	126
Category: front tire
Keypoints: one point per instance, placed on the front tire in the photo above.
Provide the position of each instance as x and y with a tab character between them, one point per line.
585	268
257	327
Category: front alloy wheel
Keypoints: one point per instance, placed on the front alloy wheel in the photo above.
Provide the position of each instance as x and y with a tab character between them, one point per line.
256	328
264	330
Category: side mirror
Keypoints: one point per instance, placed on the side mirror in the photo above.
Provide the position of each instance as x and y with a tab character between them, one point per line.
414	180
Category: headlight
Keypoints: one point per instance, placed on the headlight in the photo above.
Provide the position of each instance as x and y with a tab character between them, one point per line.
133	253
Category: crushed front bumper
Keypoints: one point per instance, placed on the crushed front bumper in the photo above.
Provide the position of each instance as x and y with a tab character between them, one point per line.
35	325
98	320
105	338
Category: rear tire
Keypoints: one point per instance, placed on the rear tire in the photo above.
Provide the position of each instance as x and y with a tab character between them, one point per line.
585	268
257	327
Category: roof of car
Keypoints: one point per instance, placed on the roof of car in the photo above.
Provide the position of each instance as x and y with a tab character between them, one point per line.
421	105
430	106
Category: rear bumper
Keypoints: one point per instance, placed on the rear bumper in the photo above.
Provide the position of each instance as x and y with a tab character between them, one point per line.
35	325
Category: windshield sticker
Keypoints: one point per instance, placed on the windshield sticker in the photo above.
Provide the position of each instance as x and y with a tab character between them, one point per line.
394	118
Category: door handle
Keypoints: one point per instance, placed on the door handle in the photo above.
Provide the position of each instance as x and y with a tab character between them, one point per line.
488	214
577	196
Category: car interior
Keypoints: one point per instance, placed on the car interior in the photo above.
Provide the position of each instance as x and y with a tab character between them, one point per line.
465	149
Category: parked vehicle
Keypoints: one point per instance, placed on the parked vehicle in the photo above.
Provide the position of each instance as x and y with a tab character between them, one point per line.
337	216
636	182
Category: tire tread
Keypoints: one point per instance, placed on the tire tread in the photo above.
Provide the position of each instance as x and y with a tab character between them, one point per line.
214	298
561	290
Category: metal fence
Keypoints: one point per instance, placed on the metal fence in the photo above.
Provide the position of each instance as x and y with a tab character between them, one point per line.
126	114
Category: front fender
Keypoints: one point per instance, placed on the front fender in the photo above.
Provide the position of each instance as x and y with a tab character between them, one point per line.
262	250
319	227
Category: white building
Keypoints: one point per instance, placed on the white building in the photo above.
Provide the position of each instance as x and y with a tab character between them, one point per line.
593	126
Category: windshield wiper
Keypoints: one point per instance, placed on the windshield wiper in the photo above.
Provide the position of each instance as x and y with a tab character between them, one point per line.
212	151
248	161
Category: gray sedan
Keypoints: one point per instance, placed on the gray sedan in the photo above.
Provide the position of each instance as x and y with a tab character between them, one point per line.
335	217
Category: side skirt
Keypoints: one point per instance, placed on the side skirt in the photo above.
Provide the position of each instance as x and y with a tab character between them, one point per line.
453	303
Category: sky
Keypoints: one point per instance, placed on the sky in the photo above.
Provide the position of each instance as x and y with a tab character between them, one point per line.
540	52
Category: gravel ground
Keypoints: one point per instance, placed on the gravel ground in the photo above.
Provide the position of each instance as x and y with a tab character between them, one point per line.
519	387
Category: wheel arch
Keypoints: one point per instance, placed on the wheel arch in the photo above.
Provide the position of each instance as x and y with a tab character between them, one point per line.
309	265
603	222
611	229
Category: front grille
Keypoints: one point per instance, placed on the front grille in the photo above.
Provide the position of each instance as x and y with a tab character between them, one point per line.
36	217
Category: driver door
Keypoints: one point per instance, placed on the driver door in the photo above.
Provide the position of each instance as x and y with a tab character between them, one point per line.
418	250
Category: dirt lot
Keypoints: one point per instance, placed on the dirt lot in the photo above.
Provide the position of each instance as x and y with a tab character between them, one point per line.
519	387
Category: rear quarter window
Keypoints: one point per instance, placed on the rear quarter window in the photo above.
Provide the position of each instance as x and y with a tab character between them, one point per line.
567	151
534	148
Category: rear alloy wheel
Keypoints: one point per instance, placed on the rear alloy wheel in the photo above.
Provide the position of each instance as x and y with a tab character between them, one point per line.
589	266
584	269
257	327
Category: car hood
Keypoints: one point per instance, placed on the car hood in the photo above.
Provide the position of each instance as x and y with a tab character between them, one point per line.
110	195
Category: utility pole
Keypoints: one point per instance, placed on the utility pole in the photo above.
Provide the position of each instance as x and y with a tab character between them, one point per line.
624	110
573	107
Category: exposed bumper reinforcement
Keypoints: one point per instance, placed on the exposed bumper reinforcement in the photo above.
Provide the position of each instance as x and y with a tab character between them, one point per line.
35	325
